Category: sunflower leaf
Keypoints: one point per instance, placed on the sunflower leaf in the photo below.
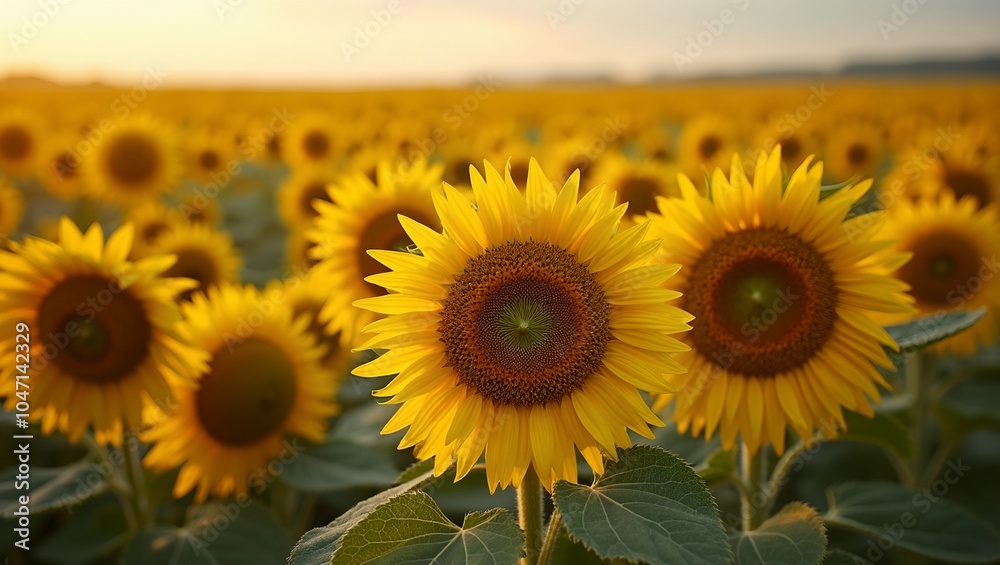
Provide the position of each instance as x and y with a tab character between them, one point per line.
318	545
411	528
51	487
886	429
841	557
969	405
648	506
337	464
921	522
220	534
795	535
928	330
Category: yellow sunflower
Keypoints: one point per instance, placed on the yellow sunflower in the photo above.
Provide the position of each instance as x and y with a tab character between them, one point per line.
208	256
11	208
58	167
197	208
137	160
955	248
150	220
638	183
706	142
263	384
783	290
209	154
306	298
363	216
311	140
297	194
19	142
102	328
525	329
963	172
854	149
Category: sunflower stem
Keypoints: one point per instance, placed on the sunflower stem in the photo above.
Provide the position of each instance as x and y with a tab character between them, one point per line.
133	471
781	469
916	389
529	512
122	491
755	496
555	524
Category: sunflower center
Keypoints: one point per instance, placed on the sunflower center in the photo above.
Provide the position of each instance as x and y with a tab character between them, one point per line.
65	165
964	183
132	158
857	154
384	232
316	144
315	191
525	324
247	393
152	231
941	265
197	264
640	193
15	142
790	149
100	332
764	302
709	146
208	160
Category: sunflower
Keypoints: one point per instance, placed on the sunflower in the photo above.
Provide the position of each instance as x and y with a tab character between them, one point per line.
955	247
203	254
638	183
197	208
306	298
263	383
525	329
854	150
103	327
297	194
58	167
137	160
311	140
209	154
783	291
150	220
705	143
570	155
11	208
363	216
19	142
963	172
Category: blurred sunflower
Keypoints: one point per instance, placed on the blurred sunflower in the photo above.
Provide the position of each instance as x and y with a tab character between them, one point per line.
11	208
105	326
783	291
296	195
962	172
57	167
526	328
203	254
571	155
638	183
197	208
19	141
363	216
209	154
706	142
853	150
306	298
311	140
954	247
261	385
136	161
150	220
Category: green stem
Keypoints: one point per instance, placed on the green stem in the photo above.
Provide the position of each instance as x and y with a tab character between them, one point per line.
122	491
916	388
555	524
529	511
936	463
781	471
133	471
754	496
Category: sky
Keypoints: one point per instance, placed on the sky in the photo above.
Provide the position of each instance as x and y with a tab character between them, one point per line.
345	44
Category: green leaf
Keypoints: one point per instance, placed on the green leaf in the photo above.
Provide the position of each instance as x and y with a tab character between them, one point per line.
970	405
412	529
234	532
567	551
51	487
890	430
841	557
317	546
795	536
94	530
719	467
918	521
928	330
648	506
339	464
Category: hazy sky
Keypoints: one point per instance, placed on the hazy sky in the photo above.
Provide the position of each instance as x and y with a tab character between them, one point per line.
341	43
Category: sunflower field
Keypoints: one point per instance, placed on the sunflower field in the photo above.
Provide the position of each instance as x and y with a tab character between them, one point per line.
704	323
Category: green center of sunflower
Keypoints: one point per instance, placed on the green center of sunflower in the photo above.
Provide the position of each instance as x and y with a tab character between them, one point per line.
15	142
247	393
525	324
316	144
100	333
132	158
942	265
968	183
764	302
